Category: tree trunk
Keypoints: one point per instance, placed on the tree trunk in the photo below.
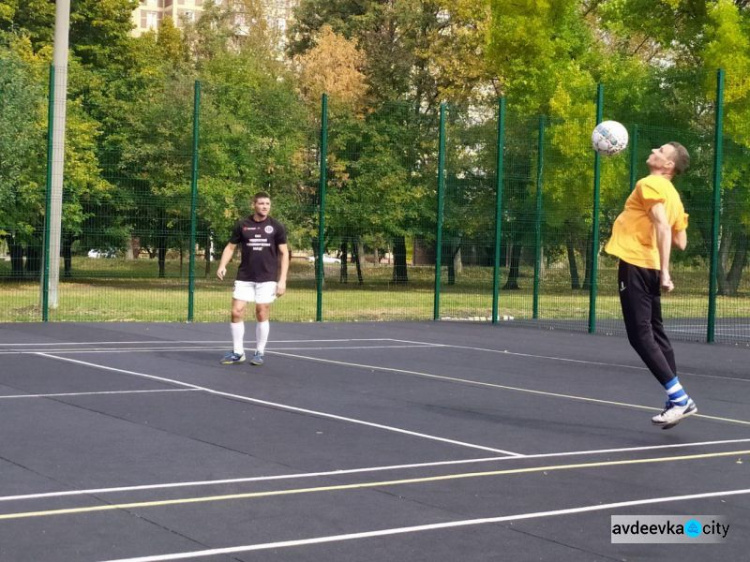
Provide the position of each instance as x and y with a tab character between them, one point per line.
738	264
454	263
16	258
515	262
162	261
357	252
161	241
723	263
209	248
575	282
589	263
451	264
344	272
67	250
400	274
33	260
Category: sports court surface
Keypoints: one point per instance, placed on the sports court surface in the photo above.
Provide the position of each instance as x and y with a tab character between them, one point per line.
358	442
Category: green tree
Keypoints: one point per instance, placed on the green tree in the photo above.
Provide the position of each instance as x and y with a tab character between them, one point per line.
21	146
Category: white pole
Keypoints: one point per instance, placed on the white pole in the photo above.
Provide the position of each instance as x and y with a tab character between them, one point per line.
60	62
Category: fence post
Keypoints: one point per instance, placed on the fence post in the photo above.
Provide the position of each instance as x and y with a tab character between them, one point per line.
594	272
538	218
319	271
194	200
718	157
440	212
48	196
499	178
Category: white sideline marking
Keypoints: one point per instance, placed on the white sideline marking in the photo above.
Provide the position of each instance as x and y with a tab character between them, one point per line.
96	393
287	407
429	527
187	341
498	386
340	472
566	359
199	348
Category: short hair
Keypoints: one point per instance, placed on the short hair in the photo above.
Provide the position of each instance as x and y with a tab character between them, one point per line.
681	158
261	195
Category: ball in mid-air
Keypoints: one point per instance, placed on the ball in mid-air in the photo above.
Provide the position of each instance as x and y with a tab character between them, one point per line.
609	138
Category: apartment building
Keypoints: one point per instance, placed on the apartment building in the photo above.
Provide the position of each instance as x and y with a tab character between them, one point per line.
150	13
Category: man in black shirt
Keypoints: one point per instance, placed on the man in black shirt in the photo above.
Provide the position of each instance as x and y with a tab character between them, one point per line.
261	276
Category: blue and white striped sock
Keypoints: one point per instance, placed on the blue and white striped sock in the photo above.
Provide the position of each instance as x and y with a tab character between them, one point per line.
676	393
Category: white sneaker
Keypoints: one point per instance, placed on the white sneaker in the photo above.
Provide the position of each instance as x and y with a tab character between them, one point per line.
673	414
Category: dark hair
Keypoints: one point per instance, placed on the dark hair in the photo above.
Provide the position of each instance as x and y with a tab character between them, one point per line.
681	158
261	195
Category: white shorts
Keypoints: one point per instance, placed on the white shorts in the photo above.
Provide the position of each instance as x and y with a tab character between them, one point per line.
260	293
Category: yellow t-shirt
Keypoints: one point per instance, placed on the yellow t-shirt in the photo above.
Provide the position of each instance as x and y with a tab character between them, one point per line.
633	234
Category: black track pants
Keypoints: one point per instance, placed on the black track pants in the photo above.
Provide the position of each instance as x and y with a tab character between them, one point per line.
640	297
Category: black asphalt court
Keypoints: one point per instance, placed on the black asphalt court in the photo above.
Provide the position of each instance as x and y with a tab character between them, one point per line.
442	441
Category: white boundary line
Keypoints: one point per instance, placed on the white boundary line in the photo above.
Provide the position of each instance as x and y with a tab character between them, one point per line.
287	407
429	527
341	472
221	344
188	341
497	386
566	359
95	393
198	348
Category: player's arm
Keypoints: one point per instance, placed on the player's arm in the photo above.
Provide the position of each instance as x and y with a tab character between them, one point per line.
658	216
283	269
679	239
226	257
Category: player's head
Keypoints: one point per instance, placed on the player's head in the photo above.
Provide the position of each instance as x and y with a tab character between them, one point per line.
262	204
671	159
681	158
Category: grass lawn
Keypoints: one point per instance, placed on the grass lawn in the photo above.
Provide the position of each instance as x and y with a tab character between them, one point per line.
118	290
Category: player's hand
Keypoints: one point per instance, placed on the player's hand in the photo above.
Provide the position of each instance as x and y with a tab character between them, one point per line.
666	282
280	288
221	272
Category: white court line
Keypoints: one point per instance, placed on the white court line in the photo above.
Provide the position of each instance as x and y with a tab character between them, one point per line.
98	393
188	341
566	359
722	332
287	407
429	527
201	348
498	386
201	483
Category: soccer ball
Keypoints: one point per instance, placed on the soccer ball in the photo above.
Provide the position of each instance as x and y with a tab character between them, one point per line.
609	138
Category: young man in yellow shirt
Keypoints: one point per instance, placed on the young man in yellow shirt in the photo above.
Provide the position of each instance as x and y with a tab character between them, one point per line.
653	221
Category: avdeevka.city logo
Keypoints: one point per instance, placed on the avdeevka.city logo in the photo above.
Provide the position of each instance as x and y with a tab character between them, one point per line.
669	529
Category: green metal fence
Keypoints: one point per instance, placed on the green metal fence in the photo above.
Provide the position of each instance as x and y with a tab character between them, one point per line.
394	212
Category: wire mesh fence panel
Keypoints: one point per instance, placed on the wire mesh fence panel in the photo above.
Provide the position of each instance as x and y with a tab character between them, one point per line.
154	184
469	222
23	151
732	284
563	223
248	145
517	250
126	206
380	213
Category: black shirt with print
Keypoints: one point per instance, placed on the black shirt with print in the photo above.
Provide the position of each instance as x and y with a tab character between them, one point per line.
259	242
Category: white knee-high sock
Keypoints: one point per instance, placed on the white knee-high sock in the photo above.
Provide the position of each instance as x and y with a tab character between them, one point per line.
238	337
261	335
